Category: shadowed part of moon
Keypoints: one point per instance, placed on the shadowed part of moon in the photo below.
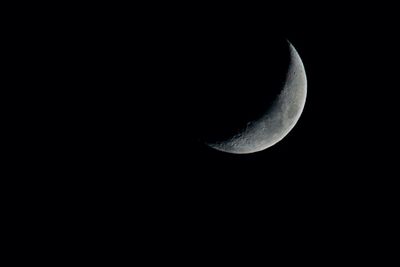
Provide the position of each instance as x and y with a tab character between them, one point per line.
274	108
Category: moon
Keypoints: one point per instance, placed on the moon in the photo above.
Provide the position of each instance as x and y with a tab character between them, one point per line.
278	118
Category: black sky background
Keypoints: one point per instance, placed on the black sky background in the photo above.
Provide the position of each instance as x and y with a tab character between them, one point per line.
126	87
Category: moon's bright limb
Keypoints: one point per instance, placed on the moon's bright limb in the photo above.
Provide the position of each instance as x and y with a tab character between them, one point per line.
280	117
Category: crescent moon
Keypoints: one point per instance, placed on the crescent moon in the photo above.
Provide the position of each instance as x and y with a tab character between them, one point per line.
278	120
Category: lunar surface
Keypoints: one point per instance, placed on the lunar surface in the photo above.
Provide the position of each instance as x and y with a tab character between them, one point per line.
278	118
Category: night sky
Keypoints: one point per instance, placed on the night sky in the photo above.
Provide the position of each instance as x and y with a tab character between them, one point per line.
137	88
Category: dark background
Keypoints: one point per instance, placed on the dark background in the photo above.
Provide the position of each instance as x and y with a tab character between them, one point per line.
120	96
